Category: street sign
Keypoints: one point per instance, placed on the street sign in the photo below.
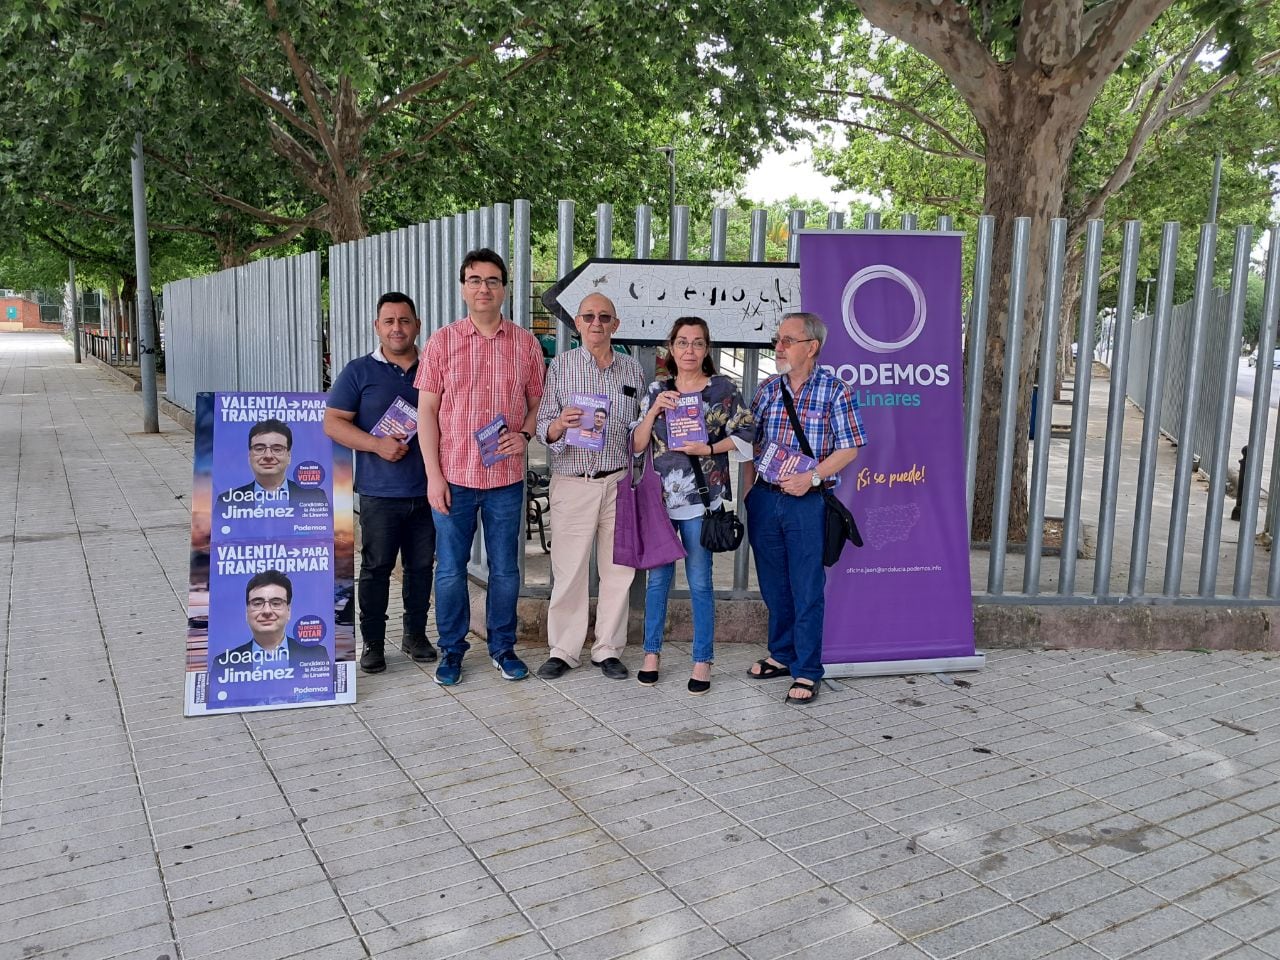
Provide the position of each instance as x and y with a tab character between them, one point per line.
743	303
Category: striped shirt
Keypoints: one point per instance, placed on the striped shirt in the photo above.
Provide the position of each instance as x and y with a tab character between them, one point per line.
827	409
576	371
477	378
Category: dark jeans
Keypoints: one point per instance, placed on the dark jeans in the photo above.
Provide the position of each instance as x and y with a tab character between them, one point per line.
786	539
391	526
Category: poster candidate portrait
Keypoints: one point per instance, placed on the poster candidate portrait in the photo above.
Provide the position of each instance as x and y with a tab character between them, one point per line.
270	472
271	637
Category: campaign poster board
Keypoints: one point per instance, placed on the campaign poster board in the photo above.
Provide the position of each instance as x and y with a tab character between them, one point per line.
277	506
891	302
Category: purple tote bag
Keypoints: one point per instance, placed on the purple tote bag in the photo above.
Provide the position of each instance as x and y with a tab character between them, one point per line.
643	535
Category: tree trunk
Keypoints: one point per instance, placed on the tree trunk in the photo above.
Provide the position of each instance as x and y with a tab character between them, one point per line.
345	219
1029	139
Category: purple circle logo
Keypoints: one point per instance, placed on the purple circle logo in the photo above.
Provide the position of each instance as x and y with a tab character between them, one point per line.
309	631
882	271
309	474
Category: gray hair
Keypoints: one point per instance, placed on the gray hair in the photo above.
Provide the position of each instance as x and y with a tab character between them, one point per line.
813	325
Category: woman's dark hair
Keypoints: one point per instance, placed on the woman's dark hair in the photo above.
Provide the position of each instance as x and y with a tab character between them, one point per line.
669	364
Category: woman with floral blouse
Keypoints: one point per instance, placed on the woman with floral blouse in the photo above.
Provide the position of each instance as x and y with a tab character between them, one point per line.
730	432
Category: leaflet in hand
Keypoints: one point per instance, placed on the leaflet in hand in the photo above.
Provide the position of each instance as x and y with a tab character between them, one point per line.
686	423
595	413
778	462
488	437
400	421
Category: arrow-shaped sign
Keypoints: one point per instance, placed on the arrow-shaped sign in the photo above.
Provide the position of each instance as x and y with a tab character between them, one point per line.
743	303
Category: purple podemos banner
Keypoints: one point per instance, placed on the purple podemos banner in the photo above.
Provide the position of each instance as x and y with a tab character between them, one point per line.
891	302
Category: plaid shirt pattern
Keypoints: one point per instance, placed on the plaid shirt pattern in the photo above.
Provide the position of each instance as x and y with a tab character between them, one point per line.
827	409
576	371
477	378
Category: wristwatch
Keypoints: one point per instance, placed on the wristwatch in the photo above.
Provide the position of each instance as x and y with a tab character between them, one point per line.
528	437
815	481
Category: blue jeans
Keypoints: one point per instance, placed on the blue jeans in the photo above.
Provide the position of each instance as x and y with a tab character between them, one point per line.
391	526
786	539
697	570
501	510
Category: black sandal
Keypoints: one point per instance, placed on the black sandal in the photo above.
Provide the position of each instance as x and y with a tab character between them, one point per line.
802	686
767	670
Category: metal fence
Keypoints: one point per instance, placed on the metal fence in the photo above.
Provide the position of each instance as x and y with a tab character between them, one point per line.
256	327
1139	502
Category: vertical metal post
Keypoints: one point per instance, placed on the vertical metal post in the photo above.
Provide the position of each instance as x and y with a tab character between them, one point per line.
1009	405
1190	399
1080	406
750	378
502	246
795	223
1222	425
142	258
871	221
679	246
1044	412
910	221
604	230
75	322
1151	411
835	219
644	231
719	233
460	251
522	267
1250	482
1213	189
1116	407
977	350
945	223
564	261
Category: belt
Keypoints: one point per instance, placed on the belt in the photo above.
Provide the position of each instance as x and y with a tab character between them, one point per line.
597	476
777	489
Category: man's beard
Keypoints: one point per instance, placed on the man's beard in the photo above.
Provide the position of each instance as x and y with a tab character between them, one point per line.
782	366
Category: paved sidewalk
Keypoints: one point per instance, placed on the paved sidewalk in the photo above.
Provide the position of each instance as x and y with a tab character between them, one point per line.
1065	804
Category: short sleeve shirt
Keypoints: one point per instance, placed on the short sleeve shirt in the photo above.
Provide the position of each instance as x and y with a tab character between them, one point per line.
826	407
478	378
367	386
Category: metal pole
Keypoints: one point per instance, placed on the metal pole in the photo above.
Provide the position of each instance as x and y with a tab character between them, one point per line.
75	325
142	257
1213	191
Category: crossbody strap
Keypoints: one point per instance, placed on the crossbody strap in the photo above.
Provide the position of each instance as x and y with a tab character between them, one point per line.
795	423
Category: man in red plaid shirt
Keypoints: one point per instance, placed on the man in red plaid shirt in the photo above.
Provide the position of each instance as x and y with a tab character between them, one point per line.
478	375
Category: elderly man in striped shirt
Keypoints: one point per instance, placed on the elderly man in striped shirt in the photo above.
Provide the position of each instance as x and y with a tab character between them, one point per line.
584	488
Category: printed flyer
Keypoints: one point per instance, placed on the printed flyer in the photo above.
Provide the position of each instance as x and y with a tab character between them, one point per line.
270	620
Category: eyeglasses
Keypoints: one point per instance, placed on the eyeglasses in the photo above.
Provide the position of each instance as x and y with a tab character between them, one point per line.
261	449
604	319
275	603
683	345
786	343
489	283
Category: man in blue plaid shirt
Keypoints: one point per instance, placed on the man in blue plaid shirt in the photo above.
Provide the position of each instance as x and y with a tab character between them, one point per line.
785	519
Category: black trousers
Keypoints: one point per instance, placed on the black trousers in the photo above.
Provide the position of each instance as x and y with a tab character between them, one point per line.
391	526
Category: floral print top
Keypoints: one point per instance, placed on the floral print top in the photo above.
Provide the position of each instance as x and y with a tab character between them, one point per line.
727	415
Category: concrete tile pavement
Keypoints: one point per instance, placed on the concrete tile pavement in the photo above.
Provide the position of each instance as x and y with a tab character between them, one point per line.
1065	803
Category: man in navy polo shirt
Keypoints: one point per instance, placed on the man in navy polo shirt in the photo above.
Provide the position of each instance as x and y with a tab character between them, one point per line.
395	518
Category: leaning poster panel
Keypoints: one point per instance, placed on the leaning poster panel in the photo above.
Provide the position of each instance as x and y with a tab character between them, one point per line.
270	611
891	302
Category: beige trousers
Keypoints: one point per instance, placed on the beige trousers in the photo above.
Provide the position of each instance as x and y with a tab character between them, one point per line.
582	512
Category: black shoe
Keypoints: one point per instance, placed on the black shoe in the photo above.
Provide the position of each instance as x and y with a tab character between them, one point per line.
553	669
419	648
372	660
699	687
612	668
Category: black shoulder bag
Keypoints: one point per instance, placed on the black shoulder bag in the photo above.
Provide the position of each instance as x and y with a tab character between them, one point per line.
721	529
838	522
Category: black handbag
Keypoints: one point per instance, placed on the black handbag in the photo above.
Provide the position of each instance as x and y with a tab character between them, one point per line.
838	525
722	531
